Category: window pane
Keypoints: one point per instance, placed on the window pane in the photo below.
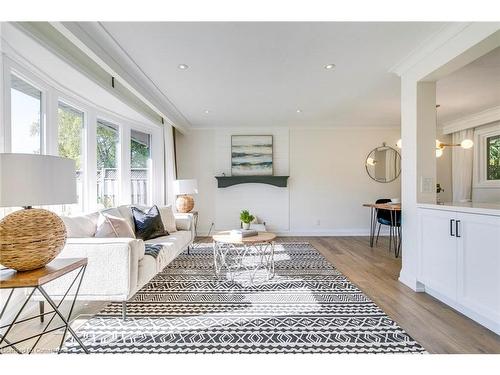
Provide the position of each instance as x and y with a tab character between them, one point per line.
70	138
140	154
26	102
107	166
493	157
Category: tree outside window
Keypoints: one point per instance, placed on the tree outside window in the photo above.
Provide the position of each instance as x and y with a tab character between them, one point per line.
493	158
70	140
107	165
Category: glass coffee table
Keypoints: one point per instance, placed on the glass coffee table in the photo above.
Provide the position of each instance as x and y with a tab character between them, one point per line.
248	254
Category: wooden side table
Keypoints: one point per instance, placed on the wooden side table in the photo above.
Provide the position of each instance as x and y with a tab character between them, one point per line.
36	279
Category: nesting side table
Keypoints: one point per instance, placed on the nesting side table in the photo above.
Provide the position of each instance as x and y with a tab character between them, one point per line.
34	281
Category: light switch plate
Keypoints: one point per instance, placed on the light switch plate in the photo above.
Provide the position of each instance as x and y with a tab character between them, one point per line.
427	185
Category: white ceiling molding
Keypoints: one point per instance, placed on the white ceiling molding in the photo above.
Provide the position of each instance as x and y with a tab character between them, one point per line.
70	50
431	61
52	40
93	38
472	121
427	47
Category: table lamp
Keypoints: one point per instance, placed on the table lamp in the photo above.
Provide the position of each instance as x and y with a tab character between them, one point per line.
32	237
183	189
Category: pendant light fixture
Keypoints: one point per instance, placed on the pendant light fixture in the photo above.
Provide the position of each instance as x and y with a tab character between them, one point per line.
440	146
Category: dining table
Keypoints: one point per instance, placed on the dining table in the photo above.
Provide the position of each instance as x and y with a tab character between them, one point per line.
393	208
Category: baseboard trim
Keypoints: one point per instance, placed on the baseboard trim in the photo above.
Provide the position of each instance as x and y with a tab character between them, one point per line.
314	233
485	321
411	282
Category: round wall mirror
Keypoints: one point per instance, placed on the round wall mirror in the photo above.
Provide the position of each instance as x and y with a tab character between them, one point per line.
383	164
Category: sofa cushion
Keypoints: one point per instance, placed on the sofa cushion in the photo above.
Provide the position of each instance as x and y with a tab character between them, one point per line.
112	224
172	245
168	218
148	225
80	226
104	228
126	213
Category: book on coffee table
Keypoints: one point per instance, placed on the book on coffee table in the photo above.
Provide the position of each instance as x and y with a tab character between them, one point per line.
244	233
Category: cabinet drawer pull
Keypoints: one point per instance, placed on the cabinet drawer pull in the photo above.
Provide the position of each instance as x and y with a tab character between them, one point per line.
457	226
451	227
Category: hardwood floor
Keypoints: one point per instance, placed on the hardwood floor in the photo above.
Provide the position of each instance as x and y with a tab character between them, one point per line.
439	328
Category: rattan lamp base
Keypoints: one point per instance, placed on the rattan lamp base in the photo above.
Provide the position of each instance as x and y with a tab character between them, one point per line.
30	238
184	203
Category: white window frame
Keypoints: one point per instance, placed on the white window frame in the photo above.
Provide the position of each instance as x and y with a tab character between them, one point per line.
480	163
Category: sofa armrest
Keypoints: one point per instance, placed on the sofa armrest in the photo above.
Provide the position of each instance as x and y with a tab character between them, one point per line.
185	222
131	244
112	268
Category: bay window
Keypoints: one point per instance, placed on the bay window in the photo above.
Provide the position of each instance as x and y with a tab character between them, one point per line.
113	154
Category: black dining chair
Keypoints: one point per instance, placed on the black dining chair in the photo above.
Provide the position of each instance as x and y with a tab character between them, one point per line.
384	218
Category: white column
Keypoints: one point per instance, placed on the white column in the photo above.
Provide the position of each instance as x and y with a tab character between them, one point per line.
418	133
426	142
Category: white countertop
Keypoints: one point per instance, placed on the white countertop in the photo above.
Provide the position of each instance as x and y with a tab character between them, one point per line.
470	207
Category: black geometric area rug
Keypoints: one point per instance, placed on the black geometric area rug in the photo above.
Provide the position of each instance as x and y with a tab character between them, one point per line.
307	307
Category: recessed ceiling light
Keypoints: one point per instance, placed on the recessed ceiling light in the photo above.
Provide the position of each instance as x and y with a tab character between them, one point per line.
329	66
207	111
299	111
182	66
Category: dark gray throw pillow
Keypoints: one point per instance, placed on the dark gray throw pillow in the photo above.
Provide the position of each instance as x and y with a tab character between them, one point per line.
148	225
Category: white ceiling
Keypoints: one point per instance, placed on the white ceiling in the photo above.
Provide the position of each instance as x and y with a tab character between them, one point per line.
471	89
260	74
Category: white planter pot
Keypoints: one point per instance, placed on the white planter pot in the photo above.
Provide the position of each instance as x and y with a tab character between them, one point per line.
246	225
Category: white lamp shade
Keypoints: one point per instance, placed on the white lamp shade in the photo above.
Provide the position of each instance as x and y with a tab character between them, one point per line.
182	187
36	180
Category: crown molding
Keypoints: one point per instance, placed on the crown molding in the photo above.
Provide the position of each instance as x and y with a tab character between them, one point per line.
98	43
430	45
471	121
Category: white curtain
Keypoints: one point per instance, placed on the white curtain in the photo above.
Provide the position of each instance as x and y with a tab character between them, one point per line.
168	147
462	164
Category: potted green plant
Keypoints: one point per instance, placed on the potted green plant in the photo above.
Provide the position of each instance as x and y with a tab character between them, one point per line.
246	218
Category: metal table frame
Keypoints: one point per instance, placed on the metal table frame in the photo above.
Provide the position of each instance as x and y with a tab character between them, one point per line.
55	312
230	256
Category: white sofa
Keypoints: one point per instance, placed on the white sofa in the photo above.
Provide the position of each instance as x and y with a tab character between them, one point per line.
117	267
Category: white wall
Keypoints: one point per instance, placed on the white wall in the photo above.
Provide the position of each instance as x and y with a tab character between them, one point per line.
328	179
328	182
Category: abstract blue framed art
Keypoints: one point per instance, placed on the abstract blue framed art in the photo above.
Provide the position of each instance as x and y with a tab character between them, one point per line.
252	155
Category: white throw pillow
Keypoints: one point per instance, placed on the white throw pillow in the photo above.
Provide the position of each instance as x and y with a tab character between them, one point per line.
80	226
112	224
168	218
